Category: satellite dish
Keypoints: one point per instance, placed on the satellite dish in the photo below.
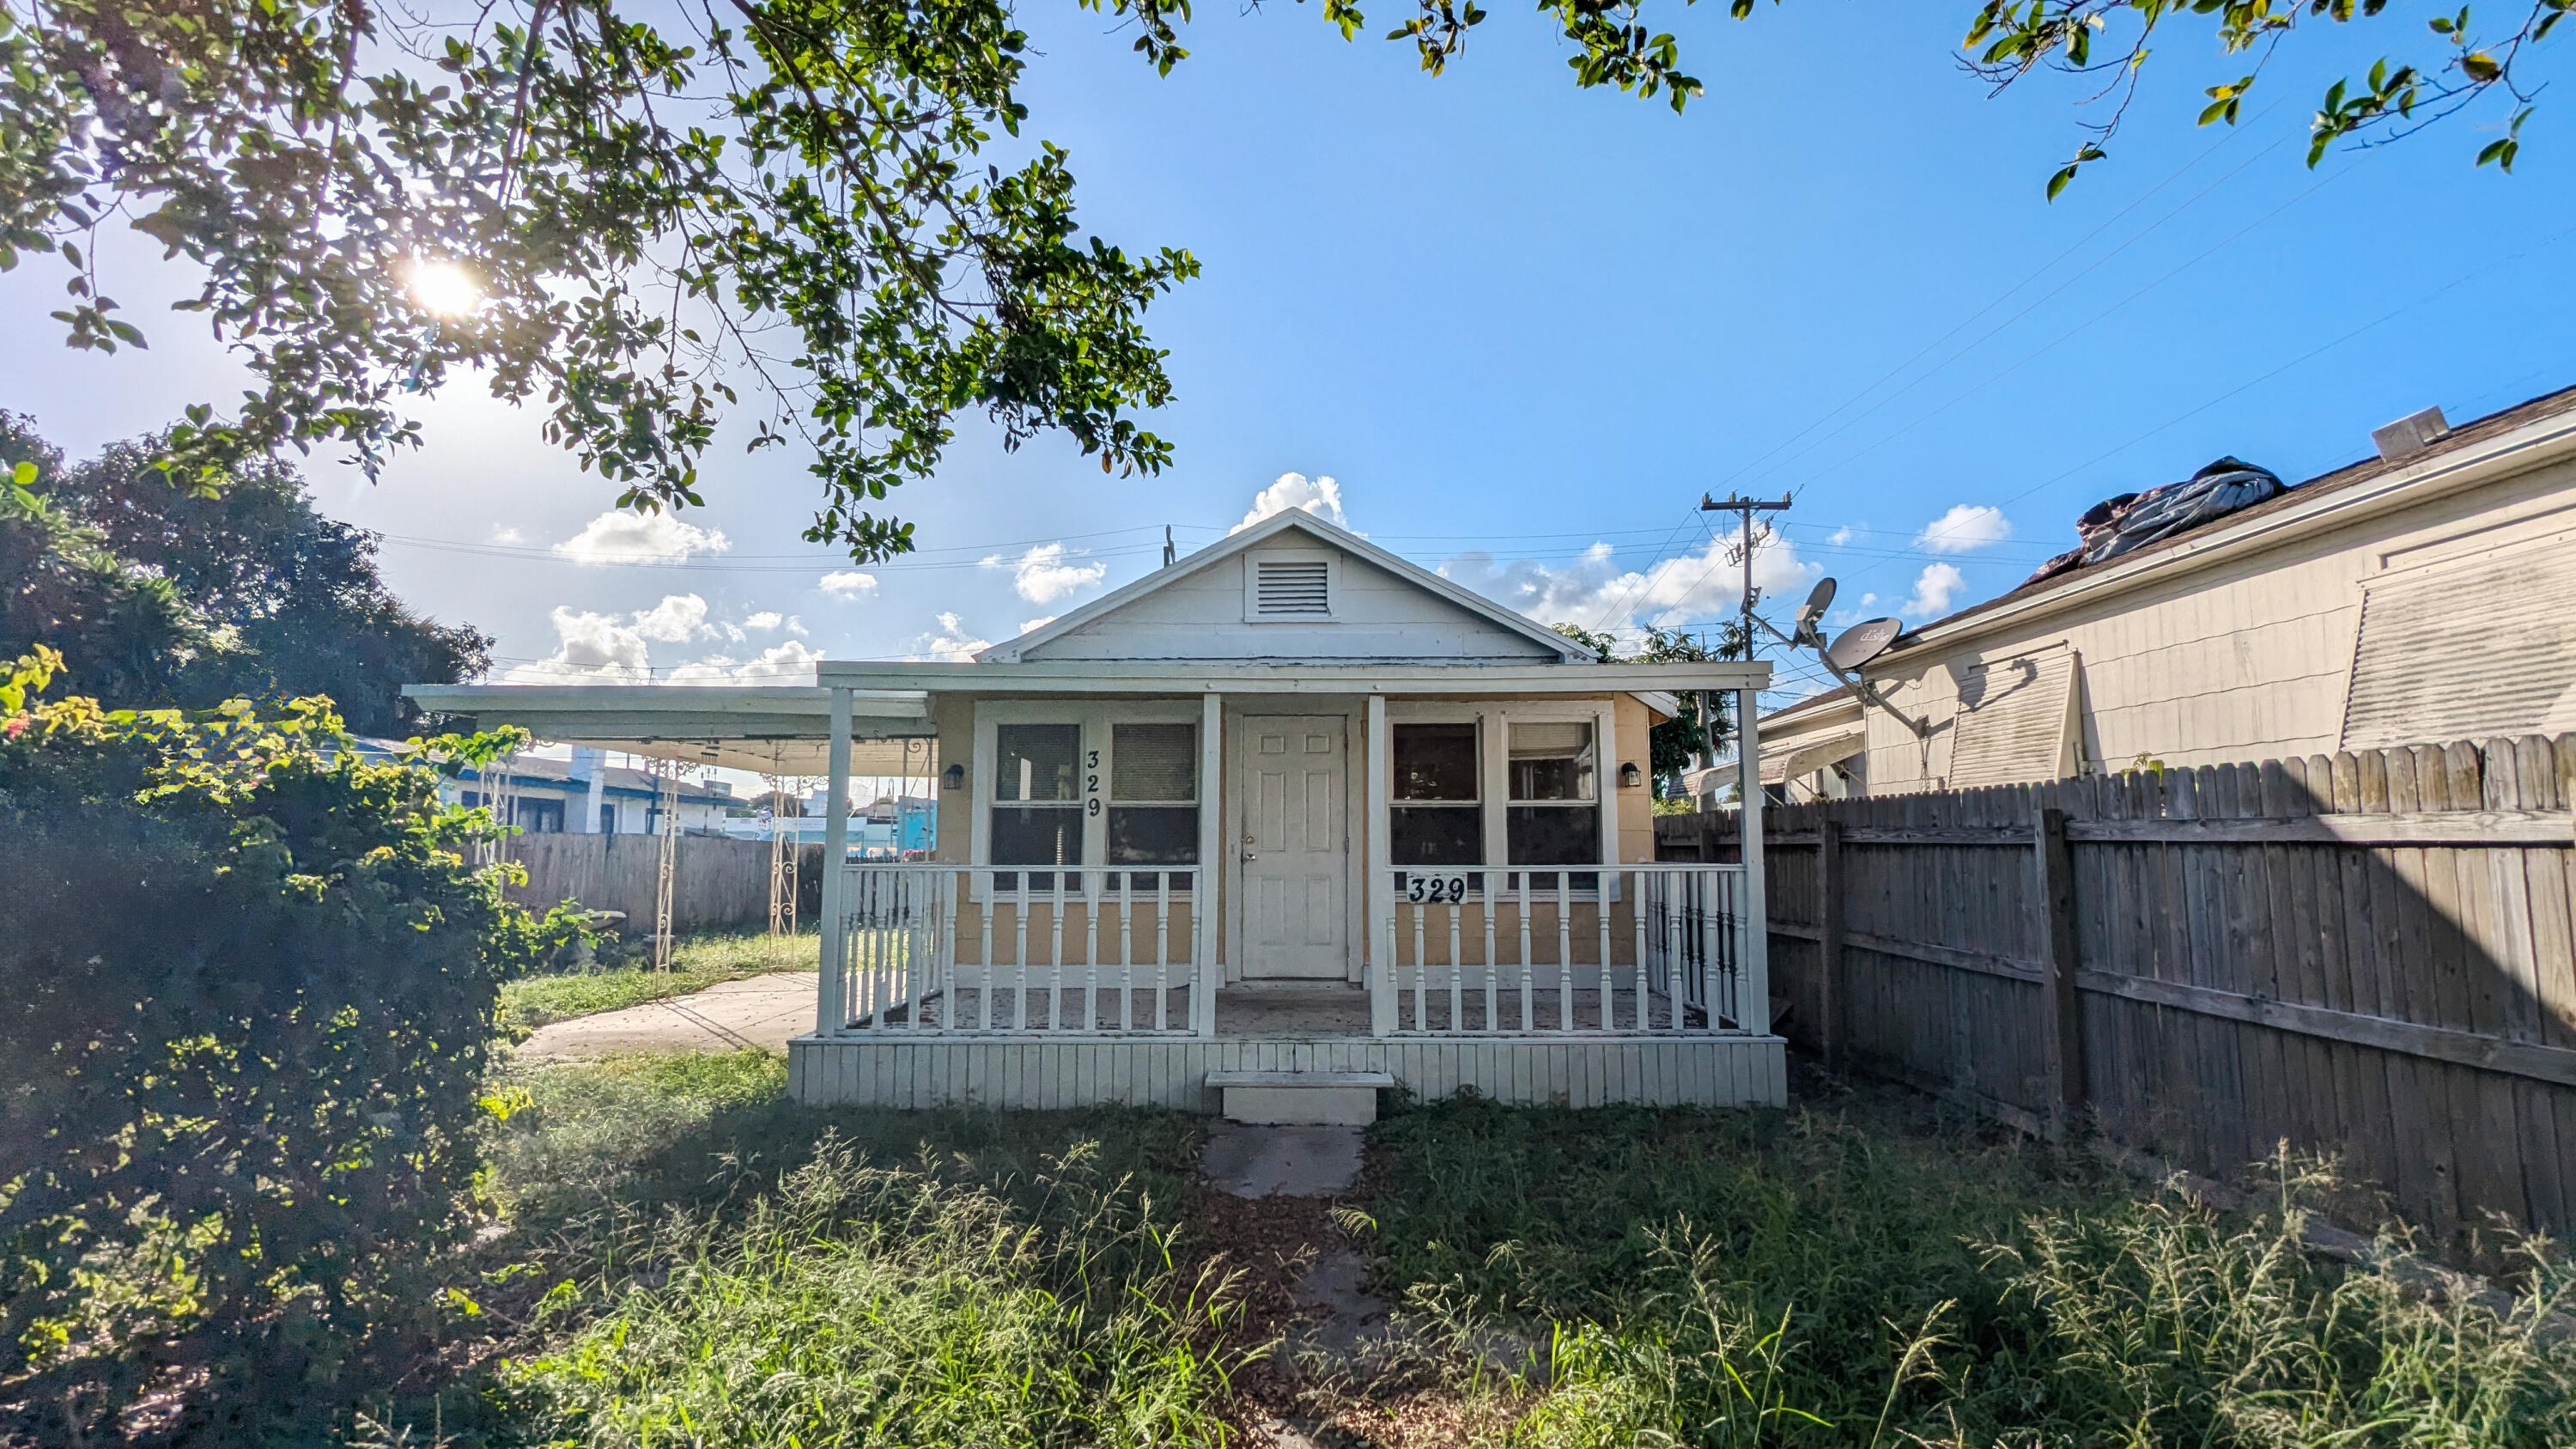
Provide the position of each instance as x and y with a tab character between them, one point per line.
1812	612
1863	642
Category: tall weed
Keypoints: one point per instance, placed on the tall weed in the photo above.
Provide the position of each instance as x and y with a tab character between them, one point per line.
865	1305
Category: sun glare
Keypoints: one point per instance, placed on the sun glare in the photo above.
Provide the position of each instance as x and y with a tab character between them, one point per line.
444	289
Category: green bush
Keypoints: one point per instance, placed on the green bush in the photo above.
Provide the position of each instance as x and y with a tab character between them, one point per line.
251	983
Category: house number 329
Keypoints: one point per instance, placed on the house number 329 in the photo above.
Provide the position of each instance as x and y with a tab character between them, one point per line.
1436	888
1091	782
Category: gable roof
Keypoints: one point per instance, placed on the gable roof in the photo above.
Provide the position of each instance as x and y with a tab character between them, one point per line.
1297	520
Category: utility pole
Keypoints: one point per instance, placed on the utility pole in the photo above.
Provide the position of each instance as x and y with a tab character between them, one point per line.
1744	509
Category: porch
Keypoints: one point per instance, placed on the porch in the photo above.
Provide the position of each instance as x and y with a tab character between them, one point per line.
1037	989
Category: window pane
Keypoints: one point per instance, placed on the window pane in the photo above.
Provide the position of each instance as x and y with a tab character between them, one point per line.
1154	835
1037	835
1153	762
1551	762
1435	836
1435	762
1554	834
1036	762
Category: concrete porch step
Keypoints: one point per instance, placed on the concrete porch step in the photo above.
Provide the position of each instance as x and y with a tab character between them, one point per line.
1345	1099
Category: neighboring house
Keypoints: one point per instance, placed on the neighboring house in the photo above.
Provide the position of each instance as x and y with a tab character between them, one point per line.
1290	806
556	797
892	828
2421	597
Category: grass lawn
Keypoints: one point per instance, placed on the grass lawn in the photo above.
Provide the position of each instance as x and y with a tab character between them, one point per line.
697	962
680	1256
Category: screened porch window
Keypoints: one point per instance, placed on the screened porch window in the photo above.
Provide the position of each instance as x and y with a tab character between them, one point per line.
1554	812
1037	801
1437	816
1153	800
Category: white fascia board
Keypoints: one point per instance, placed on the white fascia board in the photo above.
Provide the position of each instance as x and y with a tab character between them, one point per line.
669	711
2534	445
1013	651
1660	702
1155	676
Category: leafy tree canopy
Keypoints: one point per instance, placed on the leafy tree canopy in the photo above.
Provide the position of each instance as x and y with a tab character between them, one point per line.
615	212
1692	731
159	596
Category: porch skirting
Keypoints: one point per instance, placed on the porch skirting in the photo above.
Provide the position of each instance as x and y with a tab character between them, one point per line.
1039	1073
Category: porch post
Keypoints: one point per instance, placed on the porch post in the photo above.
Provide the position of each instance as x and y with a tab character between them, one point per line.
1378	915
1757	905
829	1016
1205	911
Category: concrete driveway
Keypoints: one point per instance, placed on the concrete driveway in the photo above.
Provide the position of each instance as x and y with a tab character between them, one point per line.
757	1011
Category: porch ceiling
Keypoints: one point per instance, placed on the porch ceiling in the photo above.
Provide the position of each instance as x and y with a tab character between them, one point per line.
781	730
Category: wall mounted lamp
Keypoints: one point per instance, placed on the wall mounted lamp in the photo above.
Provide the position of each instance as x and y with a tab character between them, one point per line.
953	778
1630	777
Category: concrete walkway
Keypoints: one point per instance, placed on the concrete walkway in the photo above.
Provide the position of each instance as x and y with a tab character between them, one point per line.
757	1011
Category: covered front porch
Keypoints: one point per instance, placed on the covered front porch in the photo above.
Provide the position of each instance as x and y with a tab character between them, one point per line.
1155	876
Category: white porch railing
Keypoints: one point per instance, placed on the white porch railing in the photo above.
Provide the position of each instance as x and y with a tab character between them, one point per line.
1515	950
952	949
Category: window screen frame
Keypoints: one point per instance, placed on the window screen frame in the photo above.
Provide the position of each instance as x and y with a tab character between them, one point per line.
1094	722
1493	724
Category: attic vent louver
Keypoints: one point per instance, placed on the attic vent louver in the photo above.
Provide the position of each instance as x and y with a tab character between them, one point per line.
1292	587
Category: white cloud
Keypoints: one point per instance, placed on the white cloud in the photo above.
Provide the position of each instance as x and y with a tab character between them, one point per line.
949	643
1933	590
849	584
678	619
788	663
1839	536
1964	529
1041	575
1031	626
507	535
795	626
764	621
618	537
1595	592
1321	497
590	649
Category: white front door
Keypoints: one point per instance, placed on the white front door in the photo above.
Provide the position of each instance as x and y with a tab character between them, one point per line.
1295	847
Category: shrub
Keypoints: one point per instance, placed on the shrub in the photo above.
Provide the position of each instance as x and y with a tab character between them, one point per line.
250	982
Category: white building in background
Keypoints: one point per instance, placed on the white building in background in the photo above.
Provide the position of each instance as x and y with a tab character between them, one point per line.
2426	594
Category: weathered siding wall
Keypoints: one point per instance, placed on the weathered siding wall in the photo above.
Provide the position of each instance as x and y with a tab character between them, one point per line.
717	883
2246	659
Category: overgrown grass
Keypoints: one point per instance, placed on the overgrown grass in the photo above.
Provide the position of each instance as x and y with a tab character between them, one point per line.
697	962
1824	1278
692	1259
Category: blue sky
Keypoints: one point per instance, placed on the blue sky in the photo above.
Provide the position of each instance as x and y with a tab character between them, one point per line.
1521	327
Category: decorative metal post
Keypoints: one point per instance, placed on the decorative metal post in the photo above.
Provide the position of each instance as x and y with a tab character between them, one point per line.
829	1013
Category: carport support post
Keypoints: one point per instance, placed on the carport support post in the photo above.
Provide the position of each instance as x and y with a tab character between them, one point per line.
829	1016
1755	1011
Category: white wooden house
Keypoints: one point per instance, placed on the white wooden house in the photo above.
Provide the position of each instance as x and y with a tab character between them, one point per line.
1291	813
2425	594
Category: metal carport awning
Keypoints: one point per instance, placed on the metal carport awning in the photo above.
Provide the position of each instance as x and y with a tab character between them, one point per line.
775	730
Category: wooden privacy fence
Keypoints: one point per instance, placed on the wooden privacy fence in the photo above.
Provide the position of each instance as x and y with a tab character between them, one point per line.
2369	955
716	882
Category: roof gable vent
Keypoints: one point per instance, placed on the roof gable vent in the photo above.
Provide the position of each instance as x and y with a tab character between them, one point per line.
1291	587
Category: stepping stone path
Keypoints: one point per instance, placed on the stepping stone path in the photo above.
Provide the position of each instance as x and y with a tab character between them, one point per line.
1339	1316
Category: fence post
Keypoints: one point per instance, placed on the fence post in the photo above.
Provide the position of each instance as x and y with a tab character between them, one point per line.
1829	939
2061	1010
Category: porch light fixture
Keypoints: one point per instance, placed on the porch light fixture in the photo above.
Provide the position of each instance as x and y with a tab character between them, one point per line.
1630	777
953	778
